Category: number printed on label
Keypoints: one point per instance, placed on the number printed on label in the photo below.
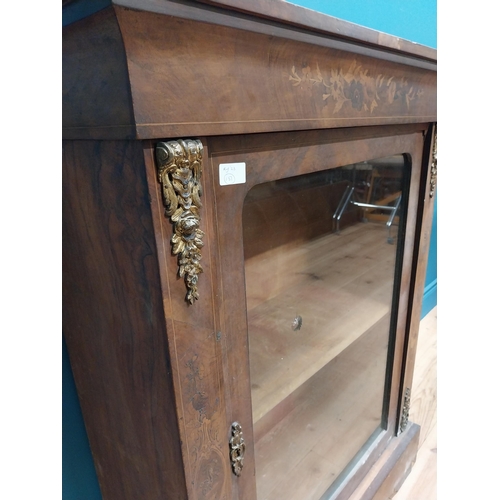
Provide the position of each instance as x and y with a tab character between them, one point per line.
232	173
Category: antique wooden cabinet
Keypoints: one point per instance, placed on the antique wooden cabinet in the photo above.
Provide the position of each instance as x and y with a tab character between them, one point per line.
248	191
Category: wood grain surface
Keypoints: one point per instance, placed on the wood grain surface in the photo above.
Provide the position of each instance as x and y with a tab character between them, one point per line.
95	82
160	382
390	471
235	80
272	157
114	324
204	348
197	346
132	73
307	18
423	235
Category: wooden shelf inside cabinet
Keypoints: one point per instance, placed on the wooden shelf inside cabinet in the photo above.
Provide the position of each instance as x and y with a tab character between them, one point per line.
323	406
304	381
348	274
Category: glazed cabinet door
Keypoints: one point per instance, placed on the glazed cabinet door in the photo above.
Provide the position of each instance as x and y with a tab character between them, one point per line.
322	227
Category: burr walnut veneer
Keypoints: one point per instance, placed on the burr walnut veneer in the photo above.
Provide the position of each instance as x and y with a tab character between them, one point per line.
247	203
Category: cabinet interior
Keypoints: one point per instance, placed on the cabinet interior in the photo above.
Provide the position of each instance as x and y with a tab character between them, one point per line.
319	307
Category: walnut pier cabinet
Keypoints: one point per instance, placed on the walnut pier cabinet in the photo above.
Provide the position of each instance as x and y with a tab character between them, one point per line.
248	192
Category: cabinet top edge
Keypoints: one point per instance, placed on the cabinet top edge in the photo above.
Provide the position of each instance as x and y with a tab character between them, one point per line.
266	11
296	15
143	71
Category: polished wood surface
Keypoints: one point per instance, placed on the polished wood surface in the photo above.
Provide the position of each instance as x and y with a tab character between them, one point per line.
310	19
189	74
269	159
392	468
113	322
425	212
209	379
95	89
161	381
198	346
275	12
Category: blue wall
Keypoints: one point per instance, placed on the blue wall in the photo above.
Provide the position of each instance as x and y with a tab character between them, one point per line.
430	292
415	21
79	479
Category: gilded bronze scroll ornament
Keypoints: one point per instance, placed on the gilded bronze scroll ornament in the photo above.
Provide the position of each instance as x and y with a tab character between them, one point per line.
179	172
434	166
406	410
237	448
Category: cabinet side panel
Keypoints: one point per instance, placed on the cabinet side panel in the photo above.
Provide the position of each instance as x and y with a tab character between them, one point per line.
420	258
196	343
114	325
95	85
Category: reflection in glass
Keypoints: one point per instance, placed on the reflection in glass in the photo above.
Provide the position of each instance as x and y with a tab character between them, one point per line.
320	257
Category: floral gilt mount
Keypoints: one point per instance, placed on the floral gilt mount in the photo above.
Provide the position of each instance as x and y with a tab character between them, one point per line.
355	86
179	172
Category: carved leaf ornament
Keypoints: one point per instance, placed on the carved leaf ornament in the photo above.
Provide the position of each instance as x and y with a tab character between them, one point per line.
179	172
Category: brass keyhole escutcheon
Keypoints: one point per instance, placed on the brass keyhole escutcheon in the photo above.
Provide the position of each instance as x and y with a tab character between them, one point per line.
237	448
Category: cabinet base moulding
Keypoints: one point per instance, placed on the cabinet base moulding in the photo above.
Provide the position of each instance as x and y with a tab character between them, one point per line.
387	475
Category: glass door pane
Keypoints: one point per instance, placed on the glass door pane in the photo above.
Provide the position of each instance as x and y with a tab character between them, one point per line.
320	260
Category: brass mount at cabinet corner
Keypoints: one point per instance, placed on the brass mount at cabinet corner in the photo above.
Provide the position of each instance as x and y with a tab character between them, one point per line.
405	413
179	172
434	163
237	448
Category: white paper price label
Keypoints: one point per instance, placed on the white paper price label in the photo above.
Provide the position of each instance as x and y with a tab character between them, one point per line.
232	173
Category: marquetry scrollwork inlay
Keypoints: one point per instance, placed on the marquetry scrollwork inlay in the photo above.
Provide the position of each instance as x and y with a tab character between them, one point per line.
237	448
405	413
434	165
179	172
354	84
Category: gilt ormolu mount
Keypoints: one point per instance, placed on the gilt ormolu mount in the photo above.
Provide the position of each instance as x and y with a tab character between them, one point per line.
434	163
179	172
405	414
237	448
